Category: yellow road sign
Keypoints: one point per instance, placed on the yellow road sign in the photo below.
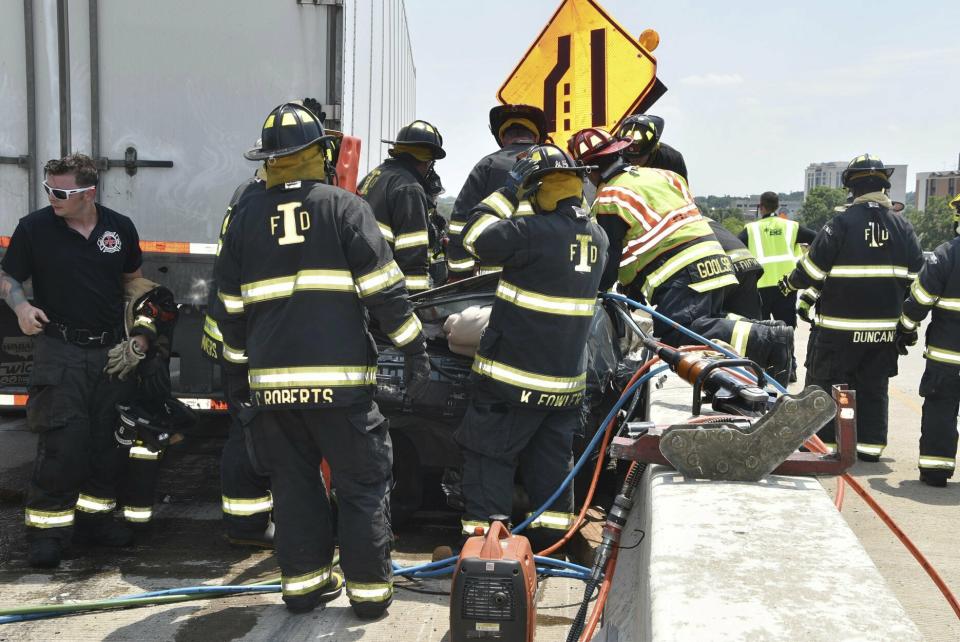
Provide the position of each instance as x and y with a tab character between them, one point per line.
584	70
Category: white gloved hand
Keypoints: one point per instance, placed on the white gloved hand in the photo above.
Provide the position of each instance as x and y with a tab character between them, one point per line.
123	358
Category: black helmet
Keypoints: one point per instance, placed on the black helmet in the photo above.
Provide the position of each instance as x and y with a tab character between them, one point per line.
288	129
153	424
420	132
645	132
550	158
501	114
866	166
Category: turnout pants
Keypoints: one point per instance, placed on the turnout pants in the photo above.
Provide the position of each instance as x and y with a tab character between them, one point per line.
864	367
702	312
140	483
245	494
940	389
289	444
495	438
72	407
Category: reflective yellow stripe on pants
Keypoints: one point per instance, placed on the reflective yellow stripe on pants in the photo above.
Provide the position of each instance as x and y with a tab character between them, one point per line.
243	507
48	519
554	520
369	591
303	584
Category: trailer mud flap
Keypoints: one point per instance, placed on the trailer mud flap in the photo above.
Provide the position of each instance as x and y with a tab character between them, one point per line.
724	452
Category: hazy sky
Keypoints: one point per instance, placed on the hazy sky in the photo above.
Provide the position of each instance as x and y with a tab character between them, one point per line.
757	90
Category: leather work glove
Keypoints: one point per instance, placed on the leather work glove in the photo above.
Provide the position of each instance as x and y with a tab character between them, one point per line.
522	169
785	286
416	374
123	358
905	339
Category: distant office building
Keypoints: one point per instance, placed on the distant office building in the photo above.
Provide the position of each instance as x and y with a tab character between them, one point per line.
830	174
931	184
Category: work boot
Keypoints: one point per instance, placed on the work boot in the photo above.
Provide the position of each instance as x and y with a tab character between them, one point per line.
933	479
262	539
45	553
779	361
103	531
872	459
371	610
306	603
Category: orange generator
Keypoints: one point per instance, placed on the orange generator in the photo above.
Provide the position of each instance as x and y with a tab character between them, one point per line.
493	591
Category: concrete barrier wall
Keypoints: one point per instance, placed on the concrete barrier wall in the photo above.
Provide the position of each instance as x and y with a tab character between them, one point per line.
733	561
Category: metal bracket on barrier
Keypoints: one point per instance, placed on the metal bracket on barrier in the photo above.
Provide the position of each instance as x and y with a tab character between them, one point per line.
647	448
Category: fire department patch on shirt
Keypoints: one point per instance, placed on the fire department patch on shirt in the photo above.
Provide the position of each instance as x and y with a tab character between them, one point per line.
109	242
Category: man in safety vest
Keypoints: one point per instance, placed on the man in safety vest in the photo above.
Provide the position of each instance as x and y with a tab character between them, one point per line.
775	242
663	251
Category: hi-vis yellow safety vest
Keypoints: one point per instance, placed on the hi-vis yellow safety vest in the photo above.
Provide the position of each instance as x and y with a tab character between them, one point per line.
773	240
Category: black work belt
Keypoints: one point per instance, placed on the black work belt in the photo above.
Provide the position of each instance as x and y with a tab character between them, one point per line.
83	337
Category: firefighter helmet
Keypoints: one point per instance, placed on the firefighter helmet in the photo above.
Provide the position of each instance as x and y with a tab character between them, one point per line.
153	424
593	143
504	116
866	166
288	129
421	133
644	131
550	158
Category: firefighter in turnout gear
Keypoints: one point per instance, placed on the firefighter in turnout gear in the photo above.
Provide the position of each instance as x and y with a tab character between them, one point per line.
301	266
395	192
664	252
859	268
245	496
646	150
937	288
515	128
529	388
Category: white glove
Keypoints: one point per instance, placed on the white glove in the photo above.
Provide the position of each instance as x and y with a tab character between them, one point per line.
123	358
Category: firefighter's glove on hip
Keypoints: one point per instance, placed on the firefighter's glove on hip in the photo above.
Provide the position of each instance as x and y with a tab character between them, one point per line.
123	358
416	374
905	339
805	306
514	184
786	287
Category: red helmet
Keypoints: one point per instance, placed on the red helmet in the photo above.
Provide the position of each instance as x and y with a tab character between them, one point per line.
591	144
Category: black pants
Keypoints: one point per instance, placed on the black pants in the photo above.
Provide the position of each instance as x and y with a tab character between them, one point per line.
864	367
72	407
940	389
702	313
779	307
140	483
289	444
495	438
743	299
246	498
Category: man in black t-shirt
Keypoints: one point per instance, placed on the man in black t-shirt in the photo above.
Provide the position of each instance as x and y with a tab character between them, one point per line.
79	255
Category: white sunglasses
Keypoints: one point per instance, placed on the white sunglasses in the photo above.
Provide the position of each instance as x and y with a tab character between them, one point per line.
64	194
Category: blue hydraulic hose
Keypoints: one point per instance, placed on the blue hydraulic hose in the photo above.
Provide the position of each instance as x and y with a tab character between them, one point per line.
446	565
690	333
